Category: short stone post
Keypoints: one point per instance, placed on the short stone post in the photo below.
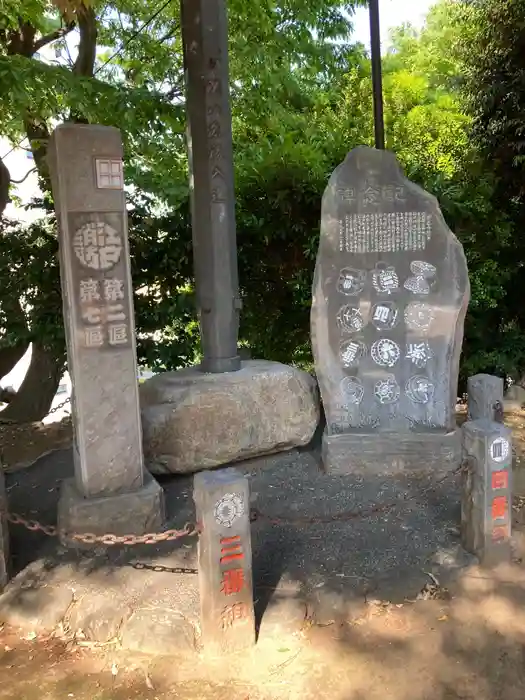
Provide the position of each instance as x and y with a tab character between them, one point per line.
225	560
486	499
485	397
111	492
5	553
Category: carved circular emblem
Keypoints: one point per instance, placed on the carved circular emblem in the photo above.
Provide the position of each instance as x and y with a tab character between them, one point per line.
351	281
499	449
350	352
228	509
350	320
419	353
385	279
97	245
419	283
385	352
352	390
385	315
420	389
387	390
419	316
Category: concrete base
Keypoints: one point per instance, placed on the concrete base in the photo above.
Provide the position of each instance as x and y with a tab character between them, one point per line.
391	453
131	513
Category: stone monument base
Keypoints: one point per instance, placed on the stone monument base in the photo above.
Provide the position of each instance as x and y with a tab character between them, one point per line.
193	420
128	513
391	453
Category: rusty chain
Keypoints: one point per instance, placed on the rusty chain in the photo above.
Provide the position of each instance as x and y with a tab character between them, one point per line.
108	539
190	530
60	405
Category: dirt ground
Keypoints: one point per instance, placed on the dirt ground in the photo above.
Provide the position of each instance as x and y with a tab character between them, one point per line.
470	647
469	643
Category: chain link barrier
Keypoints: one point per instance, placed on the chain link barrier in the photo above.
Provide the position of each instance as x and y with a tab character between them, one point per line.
108	539
191	530
60	405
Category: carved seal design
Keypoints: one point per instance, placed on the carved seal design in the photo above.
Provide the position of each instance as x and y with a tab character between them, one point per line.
385	279
420	389
229	509
387	390
352	390
350	352
351	281
419	316
499	449
350	320
385	352
385	315
420	283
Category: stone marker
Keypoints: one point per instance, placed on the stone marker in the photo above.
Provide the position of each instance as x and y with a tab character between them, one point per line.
485	397
5	553
486	501
111	491
390	295
225	560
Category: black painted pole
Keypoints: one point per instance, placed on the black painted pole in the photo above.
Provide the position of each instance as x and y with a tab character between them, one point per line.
205	42
377	79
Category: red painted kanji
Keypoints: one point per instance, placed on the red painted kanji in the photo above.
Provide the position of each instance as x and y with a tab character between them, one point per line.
499	508
231	549
500	480
233	581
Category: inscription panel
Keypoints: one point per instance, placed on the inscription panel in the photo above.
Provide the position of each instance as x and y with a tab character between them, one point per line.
389	299
102	295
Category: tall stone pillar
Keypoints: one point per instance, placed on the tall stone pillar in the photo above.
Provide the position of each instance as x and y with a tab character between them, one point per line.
205	40
111	491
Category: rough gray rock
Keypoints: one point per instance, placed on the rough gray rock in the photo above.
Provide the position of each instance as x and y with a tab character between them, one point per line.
193	421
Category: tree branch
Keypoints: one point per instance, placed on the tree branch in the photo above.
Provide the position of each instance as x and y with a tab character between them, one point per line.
5	179
53	36
87	47
19	182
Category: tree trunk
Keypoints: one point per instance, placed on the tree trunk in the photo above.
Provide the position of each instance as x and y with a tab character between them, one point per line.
35	396
10	356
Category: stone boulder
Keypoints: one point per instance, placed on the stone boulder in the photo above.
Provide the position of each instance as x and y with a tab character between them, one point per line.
193	421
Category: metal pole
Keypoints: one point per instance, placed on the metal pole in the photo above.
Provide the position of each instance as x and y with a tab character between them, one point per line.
377	80
205	42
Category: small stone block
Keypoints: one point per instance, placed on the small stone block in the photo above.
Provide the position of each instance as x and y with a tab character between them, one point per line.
222	501
5	561
131	513
485	397
486	498
390	454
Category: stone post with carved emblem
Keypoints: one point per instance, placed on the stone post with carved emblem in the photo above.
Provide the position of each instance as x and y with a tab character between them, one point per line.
111	490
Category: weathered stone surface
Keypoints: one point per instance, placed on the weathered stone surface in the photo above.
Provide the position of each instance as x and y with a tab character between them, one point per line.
5	554
222	502
193	421
388	455
485	397
486	497
390	295
88	186
130	513
86	168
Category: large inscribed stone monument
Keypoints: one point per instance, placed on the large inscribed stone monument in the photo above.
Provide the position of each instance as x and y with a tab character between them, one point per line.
390	295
